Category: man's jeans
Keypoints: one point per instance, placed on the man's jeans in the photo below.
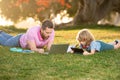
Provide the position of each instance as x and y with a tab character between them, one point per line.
8	40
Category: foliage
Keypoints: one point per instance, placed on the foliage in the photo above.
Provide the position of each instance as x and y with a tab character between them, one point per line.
38	9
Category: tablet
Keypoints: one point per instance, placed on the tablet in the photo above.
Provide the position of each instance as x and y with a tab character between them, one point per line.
77	50
58	48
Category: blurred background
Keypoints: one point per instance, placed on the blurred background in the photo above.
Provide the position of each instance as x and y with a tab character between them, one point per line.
28	13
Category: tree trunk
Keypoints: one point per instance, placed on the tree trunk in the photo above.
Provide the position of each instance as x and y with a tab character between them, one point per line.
91	11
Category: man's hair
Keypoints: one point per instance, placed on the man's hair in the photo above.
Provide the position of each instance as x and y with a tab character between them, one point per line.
47	23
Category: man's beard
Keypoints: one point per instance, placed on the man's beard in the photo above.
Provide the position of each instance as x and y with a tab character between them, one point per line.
44	36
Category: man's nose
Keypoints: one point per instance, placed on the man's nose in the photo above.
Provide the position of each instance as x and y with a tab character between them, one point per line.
48	35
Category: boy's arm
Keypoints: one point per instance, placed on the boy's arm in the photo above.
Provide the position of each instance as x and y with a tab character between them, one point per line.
89	53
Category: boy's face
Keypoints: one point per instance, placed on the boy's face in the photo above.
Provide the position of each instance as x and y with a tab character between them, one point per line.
83	43
46	33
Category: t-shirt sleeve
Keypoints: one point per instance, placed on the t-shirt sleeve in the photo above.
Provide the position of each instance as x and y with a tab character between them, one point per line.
95	46
30	34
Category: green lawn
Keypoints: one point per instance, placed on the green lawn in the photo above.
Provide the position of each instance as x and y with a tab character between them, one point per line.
35	66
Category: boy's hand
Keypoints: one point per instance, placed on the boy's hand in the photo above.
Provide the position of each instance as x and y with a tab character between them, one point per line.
71	51
86	53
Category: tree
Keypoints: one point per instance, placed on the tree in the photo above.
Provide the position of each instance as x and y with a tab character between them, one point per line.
83	11
41	9
91	11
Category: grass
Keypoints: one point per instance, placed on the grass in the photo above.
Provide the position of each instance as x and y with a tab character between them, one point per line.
102	66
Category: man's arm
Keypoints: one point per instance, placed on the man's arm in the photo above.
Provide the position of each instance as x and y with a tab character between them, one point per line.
49	45
32	46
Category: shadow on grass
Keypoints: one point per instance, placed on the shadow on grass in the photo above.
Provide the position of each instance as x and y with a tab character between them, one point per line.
11	29
92	26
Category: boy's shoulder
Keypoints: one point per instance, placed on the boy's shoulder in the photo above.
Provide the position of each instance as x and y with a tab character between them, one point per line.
96	42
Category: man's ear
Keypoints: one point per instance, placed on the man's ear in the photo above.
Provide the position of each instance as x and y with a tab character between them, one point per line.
42	29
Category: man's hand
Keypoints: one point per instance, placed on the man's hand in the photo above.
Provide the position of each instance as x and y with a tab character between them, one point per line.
48	46
40	51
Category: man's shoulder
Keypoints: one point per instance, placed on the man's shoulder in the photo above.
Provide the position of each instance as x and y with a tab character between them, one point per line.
36	27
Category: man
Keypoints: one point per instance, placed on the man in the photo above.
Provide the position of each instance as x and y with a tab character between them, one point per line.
36	38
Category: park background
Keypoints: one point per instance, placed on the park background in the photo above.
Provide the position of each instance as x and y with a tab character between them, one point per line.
101	17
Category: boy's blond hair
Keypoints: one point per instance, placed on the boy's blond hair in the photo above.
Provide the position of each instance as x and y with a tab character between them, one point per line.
85	35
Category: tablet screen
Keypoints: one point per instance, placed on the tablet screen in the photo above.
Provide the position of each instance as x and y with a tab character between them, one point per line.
77	50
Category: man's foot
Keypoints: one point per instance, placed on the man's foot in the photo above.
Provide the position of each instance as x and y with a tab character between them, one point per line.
1	31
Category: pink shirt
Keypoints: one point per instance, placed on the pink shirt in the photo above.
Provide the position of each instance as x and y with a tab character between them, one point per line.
33	34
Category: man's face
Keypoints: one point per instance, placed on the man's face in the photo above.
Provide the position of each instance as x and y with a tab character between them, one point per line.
46	33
